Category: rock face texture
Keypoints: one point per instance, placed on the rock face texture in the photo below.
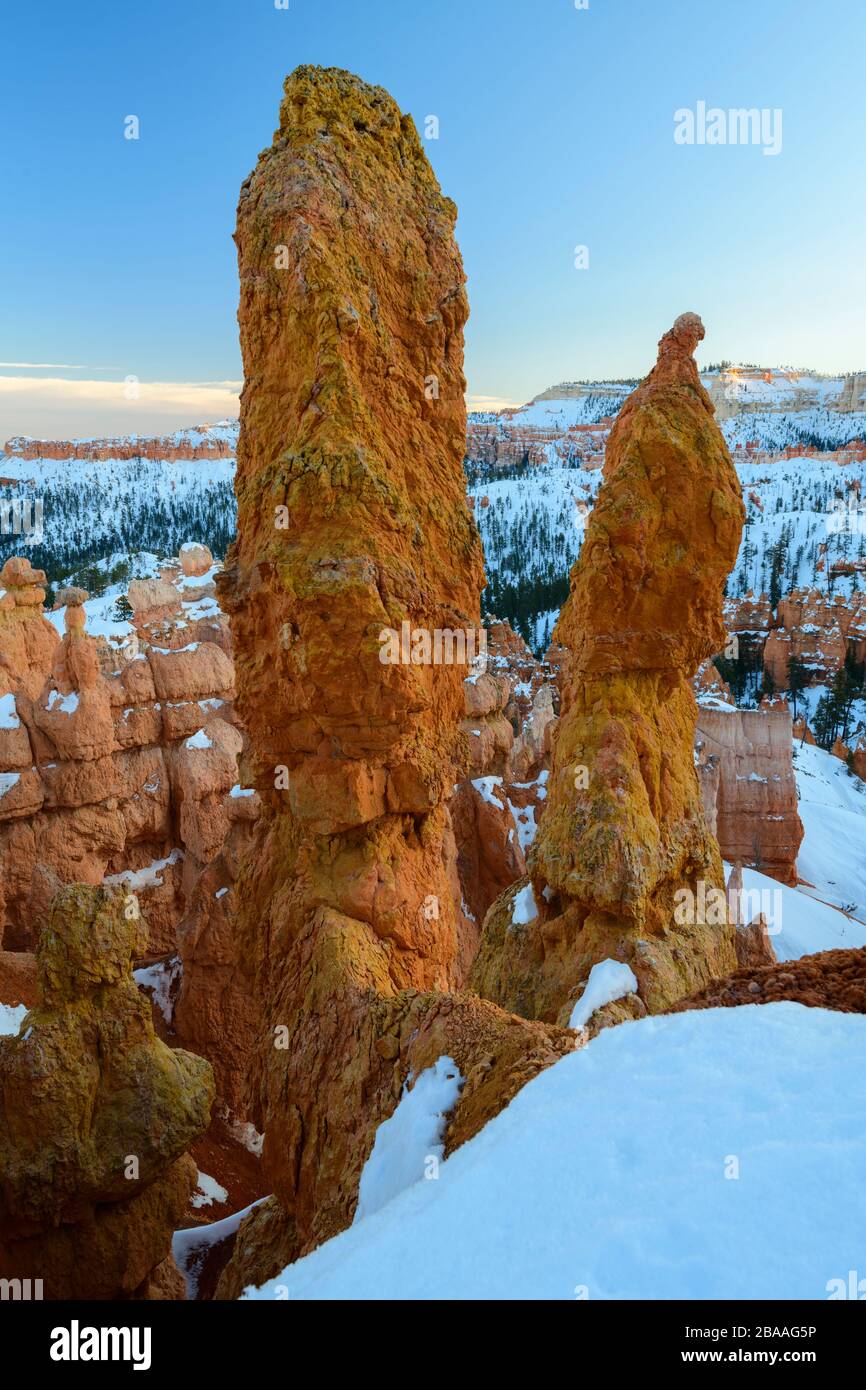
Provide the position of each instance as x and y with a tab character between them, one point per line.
114	762
818	631
624	831
353	529
121	765
98	1113
753	810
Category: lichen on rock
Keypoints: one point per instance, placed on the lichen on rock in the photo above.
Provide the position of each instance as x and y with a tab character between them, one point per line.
98	1112
624	831
352	524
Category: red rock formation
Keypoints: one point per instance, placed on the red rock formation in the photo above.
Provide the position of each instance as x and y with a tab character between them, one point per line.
96	778
624	832
195	443
819	631
754	812
352	523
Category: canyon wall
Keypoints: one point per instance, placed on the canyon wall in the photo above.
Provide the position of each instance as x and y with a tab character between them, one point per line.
752	806
119	764
201	442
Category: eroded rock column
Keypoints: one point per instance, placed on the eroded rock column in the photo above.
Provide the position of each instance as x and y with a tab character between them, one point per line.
624	866
97	1113
353	590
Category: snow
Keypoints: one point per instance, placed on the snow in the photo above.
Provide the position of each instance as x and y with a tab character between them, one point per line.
11	1018
524	819
409	1139
8	780
199	740
797	924
8	713
190	1246
523	908
247	1135
208	1191
713	1154
597	400
161	978
486	786
65	704
608	980
148	877
832	808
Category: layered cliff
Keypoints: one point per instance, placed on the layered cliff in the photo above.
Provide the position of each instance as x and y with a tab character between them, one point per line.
199	442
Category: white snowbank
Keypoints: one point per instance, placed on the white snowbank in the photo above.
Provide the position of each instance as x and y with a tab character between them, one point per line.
8	780
149	877
612	1175
608	980
66	704
798	925
190	1247
407	1141
160	978
832	808
486	787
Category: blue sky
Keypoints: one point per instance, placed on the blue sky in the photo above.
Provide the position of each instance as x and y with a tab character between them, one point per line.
556	130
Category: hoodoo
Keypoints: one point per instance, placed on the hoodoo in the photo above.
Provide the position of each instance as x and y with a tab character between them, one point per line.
624	848
353	521
98	1115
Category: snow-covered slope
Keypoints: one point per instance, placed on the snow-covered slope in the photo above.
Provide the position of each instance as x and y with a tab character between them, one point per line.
587	406
799	923
93	509
832	806
709	1154
804	498
532	528
533	524
11	1018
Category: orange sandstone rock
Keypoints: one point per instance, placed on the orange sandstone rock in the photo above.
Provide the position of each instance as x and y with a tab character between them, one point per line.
352	523
624	831
98	1113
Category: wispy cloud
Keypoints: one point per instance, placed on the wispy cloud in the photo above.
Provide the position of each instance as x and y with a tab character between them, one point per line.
491	403
57	366
60	407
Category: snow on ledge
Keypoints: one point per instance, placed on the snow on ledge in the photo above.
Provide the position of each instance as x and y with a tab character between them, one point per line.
524	907
608	980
